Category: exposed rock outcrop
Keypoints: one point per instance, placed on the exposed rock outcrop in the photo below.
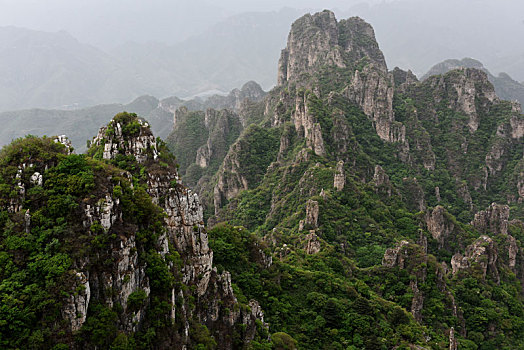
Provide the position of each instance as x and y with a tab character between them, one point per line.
316	40
439	224
492	220
409	256
466	87
137	141
184	232
229	182
307	126
382	183
340	178
481	256
396	256
311	220
313	244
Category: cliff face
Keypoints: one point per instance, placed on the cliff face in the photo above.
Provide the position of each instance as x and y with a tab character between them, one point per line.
185	234
505	87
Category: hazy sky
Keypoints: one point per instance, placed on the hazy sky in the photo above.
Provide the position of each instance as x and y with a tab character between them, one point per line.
484	29
111	22
103	22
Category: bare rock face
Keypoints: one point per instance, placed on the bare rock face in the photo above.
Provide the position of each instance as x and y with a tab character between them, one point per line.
372	90
403	78
318	40
495	161
306	126
313	244
439	224
220	125
230	179
396	256
467	86
452	341
315	41
75	311
494	219
64	140
184	232
312	213
409	256
480	256
382	183
340	178
513	250
517	126
117	141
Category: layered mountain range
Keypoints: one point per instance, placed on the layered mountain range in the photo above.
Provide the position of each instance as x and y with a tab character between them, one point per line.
81	124
352	207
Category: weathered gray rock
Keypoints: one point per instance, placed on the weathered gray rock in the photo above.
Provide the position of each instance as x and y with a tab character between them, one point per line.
313	244
382	183
452	341
64	140
467	85
396	256
306	125
481	254
513	250
230	179
142	146
517	126
340	177
312	211
372	90
494	219
75	311
439	224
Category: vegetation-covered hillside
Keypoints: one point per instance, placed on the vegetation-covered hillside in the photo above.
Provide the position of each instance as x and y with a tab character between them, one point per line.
393	208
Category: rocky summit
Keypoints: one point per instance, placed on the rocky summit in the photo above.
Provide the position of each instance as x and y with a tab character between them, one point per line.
351	207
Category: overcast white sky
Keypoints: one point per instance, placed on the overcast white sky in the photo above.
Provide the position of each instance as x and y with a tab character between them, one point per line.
484	29
103	22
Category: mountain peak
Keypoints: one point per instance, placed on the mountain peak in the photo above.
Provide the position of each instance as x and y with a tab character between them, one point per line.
319	40
125	135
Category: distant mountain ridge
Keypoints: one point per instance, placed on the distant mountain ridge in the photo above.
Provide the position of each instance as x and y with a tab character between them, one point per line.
69	74
79	125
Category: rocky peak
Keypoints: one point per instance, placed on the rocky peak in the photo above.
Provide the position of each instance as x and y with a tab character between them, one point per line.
319	40
126	135
252	91
466	89
402	78
396	256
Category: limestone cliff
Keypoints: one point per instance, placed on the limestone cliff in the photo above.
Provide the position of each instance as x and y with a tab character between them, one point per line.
185	234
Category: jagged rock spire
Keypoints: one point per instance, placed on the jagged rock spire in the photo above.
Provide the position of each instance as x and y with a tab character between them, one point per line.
319	40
